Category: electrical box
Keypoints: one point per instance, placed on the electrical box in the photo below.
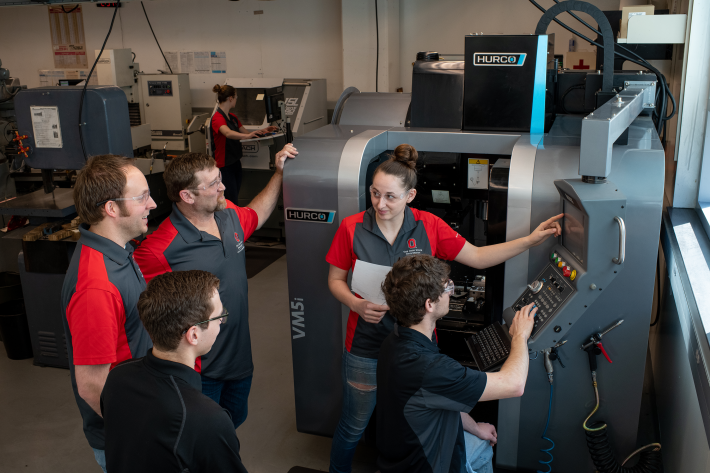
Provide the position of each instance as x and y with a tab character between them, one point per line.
115	67
166	104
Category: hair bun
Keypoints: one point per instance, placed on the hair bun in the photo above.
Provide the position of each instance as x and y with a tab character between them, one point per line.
407	155
217	89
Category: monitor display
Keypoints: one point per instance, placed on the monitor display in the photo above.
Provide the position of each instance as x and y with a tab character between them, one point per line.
573	237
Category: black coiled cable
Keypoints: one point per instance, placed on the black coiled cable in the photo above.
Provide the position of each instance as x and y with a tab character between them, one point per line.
600	450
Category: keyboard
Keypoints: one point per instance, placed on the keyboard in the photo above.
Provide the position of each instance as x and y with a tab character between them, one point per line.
490	347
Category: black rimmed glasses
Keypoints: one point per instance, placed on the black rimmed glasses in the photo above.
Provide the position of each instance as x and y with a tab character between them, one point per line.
222	319
141	199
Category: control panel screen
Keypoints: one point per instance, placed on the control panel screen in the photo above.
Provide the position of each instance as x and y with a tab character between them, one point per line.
573	237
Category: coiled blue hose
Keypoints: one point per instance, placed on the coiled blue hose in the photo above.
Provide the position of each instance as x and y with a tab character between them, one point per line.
547	451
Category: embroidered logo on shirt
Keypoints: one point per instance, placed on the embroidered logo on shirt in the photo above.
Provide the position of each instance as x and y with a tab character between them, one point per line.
240	245
236	237
412	243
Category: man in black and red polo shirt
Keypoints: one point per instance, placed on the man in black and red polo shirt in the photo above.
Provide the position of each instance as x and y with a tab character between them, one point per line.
205	231
103	283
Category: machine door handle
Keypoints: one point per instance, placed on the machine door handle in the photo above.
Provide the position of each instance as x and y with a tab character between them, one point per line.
622	241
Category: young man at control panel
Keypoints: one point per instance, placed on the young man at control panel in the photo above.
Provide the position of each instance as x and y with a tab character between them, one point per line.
423	396
157	418
206	231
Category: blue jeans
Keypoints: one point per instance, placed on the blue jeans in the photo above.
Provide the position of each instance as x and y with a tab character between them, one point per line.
479	455
358	405
232	395
100	456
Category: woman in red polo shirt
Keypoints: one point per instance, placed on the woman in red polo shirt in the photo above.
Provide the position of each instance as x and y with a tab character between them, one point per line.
384	233
227	131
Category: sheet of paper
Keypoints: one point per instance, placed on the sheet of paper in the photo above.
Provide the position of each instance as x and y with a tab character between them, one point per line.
173	61
45	124
219	62
367	281
66	26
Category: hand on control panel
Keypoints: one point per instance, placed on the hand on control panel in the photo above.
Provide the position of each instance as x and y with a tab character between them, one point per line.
548	228
523	322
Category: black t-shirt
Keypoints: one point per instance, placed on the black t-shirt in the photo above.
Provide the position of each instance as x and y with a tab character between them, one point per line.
156	419
420	396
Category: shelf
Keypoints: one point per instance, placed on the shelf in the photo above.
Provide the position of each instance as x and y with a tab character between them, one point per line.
656	29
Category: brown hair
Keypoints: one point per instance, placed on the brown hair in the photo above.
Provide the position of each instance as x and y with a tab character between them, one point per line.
403	164
224	92
412	281
180	172
102	178
174	302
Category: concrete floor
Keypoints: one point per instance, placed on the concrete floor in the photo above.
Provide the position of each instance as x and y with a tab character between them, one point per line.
40	426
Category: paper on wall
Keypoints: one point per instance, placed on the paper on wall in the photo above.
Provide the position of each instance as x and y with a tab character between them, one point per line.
367	281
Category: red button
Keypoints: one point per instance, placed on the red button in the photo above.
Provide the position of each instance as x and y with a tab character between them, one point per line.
167	91
566	271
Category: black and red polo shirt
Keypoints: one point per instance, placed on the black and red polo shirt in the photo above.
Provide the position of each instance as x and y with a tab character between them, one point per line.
100	316
220	141
359	238
177	245
421	394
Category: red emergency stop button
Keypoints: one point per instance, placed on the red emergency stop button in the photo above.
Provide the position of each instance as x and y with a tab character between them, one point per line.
566	271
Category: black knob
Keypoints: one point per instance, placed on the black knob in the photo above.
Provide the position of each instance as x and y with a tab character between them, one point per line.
557	329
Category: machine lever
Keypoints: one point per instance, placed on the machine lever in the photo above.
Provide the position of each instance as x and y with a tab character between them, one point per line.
622	241
601	347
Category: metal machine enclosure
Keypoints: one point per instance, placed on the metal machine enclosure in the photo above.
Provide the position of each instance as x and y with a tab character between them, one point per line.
330	175
106	127
166	103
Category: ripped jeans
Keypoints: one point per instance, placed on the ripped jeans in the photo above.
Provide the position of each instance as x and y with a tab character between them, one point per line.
358	404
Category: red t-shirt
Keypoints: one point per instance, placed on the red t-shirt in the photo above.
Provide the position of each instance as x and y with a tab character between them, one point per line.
220	140
359	238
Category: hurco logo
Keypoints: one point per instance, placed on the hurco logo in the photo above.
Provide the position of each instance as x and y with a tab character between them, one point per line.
306	215
499	59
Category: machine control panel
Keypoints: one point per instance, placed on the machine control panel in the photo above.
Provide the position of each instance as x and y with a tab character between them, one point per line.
160	88
549	292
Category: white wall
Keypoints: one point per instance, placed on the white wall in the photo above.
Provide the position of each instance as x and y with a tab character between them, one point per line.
441	25
294	38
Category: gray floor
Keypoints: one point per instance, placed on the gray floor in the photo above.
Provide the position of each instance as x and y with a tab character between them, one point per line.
40	426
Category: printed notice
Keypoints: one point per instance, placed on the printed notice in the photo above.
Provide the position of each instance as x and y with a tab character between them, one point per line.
66	25
45	125
219	62
172	61
203	62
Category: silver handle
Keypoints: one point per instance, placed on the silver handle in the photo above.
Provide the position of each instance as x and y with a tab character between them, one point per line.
622	241
314	120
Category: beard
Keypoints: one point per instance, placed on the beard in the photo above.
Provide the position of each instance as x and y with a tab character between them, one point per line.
221	203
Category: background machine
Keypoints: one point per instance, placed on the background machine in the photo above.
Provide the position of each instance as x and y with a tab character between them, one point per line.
496	180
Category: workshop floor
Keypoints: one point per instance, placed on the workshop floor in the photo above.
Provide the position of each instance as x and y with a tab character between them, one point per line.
40	426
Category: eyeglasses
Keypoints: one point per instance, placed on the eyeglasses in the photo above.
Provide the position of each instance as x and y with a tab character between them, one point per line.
375	194
449	289
141	199
222	319
212	184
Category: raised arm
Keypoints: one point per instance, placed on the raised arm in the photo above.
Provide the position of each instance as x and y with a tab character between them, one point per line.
265	202
510	380
487	256
338	285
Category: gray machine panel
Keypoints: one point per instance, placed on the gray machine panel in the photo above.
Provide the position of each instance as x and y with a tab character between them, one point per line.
637	171
106	128
375	109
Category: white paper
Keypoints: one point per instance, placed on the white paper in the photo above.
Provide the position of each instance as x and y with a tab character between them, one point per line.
202	61
172	61
45	124
367	281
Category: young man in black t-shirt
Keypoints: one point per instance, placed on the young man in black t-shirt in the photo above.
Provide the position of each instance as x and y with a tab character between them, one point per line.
423	396
155	415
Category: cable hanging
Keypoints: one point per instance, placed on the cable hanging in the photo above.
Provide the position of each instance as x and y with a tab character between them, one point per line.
156	38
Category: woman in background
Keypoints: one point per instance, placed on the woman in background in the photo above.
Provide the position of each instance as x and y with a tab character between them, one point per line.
227	131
